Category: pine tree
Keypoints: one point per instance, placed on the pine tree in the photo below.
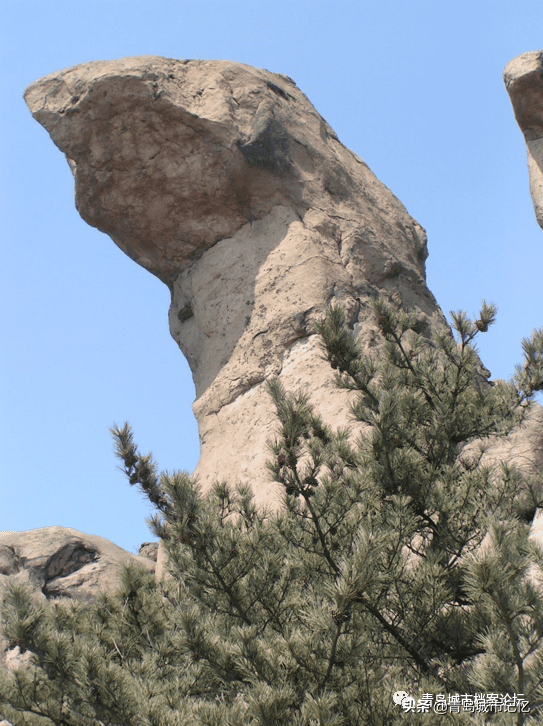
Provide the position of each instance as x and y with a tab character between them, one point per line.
399	562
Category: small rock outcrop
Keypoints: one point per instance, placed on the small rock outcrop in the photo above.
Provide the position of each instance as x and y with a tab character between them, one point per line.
523	78
60	563
224	181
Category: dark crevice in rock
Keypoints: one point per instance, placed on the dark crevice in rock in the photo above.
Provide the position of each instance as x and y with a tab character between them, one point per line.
10	562
70	558
279	91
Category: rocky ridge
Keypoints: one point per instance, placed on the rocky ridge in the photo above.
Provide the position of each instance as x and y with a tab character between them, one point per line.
60	562
523	78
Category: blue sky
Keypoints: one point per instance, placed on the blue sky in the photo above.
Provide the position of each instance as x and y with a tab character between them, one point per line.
414	88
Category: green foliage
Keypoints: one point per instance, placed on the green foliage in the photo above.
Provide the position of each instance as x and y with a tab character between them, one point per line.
398	562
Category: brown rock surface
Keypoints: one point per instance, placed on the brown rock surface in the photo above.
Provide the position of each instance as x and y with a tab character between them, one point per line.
225	182
523	446
149	550
523	78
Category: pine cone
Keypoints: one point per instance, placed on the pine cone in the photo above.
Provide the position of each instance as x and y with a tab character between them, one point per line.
382	321
338	617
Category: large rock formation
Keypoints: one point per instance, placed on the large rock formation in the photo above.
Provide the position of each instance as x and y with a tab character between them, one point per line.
523	77
224	182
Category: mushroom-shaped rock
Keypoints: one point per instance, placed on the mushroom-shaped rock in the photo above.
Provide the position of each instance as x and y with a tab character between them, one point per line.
226	183
523	77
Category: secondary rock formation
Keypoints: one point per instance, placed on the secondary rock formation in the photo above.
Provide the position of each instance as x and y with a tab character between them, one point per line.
224	182
523	77
62	563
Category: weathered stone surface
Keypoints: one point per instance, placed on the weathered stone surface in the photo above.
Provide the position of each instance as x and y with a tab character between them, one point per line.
523	446
523	77
523	449
225	182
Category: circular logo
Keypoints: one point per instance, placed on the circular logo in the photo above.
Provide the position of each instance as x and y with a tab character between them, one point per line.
399	696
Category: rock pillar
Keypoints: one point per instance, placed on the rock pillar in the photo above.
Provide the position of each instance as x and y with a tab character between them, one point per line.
224	181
